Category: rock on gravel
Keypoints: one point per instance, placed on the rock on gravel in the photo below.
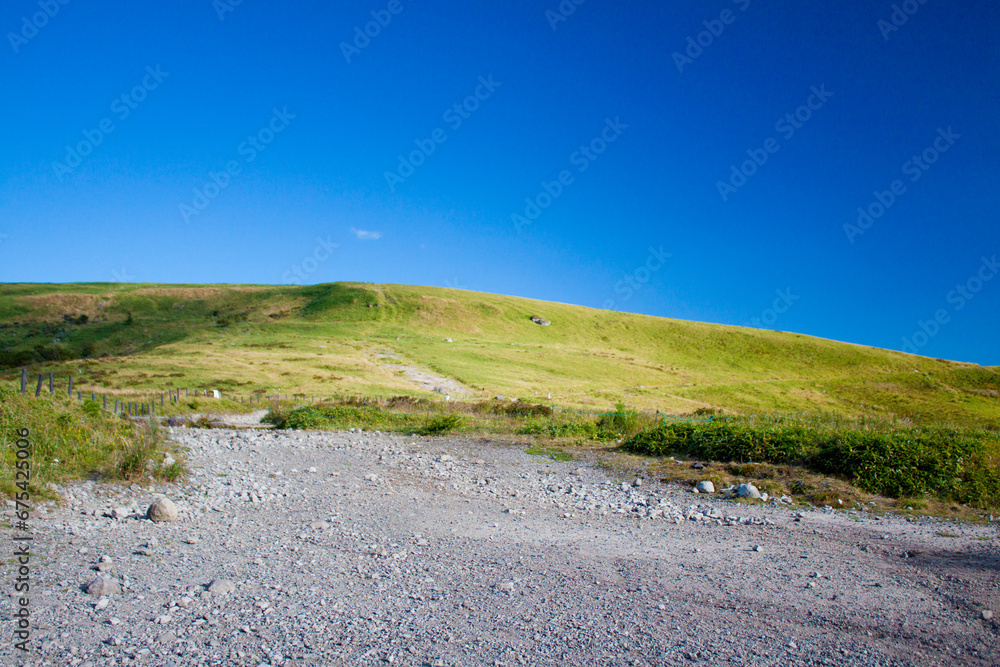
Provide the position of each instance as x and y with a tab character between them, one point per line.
747	491
705	487
162	509
100	586
221	587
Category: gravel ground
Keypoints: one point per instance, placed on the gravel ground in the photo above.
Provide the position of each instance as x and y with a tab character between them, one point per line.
367	549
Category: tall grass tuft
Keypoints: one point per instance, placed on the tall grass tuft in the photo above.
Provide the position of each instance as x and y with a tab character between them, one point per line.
74	440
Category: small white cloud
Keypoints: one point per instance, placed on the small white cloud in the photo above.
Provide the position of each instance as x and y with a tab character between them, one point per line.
366	235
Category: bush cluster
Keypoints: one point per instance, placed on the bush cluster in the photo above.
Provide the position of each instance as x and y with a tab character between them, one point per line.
954	464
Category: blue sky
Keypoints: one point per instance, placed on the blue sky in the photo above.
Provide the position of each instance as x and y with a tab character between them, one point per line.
686	159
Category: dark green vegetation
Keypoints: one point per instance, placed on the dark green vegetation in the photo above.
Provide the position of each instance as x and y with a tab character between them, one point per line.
76	440
956	464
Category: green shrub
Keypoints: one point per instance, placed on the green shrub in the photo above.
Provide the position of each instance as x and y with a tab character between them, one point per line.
442	424
623	422
895	461
335	417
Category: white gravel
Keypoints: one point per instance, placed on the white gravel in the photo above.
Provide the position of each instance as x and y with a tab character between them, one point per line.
366	549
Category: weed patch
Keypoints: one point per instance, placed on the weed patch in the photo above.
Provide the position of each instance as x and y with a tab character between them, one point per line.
73	441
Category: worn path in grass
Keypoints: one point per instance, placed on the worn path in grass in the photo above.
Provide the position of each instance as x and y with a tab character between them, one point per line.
366	549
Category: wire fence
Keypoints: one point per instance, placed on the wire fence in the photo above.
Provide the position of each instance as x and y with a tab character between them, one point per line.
144	402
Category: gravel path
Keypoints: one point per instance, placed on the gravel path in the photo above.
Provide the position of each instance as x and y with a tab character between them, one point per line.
366	549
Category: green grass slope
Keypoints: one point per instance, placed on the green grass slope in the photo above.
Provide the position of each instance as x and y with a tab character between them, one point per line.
334	338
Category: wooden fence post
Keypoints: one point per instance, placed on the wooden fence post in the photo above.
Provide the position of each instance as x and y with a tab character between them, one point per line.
70	390
52	383
161	400
38	389
116	406
104	398
24	379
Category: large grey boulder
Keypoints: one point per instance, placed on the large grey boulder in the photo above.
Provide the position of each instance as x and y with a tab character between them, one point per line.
747	491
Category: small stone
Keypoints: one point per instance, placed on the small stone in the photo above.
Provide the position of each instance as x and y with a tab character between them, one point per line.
163	620
507	586
705	486
987	615
121	513
162	509
756	547
792	645
167	638
637	482
169	461
102	585
102	602
114	621
698	466
747	490
221	587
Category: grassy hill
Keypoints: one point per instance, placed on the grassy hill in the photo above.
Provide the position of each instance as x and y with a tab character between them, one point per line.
348	338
